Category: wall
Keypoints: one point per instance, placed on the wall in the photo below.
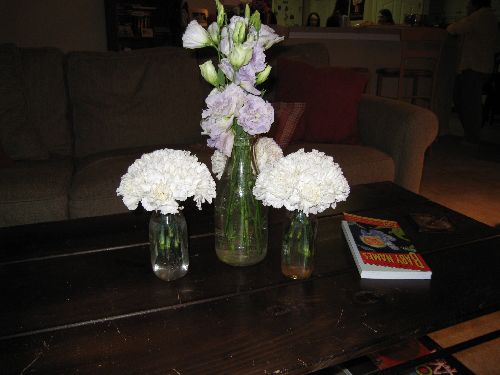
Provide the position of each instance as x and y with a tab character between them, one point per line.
455	9
288	12
68	25
80	24
206	4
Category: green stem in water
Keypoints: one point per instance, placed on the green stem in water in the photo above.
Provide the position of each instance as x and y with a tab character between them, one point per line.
242	220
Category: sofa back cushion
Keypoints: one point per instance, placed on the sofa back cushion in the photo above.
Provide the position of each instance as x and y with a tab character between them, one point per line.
43	71
19	138
131	99
315	54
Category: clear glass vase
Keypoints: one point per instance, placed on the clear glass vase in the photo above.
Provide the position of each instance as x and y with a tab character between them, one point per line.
240	219
168	241
299	237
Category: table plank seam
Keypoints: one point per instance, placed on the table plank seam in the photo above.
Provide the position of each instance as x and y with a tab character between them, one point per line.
87	252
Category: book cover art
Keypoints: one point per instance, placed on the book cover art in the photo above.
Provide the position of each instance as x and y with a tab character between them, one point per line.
383	243
381	249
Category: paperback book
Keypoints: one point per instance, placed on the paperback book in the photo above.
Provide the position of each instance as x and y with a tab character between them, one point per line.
381	249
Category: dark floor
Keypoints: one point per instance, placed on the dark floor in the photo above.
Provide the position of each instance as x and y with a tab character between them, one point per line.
467	179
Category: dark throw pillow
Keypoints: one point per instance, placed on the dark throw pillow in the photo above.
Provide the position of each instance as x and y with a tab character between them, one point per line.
332	96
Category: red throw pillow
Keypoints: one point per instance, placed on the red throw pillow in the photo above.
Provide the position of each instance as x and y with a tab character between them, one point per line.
292	82
287	117
331	94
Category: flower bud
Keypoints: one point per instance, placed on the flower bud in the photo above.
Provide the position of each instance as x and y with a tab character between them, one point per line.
247	12
263	75
220	13
239	32
209	73
240	55
255	20
213	31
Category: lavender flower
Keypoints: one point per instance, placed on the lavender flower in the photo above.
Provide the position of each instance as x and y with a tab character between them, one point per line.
222	107
228	70
245	77
224	142
241	44
256	115
266	36
258	61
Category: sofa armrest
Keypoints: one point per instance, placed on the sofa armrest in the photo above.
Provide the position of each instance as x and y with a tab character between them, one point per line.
402	130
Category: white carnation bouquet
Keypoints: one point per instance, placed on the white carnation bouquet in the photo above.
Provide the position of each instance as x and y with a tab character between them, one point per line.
309	182
161	179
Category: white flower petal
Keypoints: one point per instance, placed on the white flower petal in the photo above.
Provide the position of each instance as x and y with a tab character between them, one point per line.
309	182
161	179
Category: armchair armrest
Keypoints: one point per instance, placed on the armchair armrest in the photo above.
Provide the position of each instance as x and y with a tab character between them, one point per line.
402	130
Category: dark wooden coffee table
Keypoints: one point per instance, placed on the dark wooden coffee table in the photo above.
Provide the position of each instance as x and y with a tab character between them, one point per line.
80	296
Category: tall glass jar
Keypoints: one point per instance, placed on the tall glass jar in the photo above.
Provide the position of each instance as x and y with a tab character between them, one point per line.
299	237
240	219
168	241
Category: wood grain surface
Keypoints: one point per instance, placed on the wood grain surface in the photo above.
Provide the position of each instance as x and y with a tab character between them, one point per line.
80	296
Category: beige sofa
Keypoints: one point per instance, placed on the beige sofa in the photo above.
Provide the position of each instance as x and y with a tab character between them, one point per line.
70	125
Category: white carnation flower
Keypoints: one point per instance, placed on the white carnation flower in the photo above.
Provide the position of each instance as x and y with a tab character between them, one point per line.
310	182
267	152
161	179
219	161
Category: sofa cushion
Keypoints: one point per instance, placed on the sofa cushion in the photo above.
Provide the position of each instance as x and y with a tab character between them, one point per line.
43	71
332	95
287	118
360	164
315	54
19	140
34	191
93	190
130	99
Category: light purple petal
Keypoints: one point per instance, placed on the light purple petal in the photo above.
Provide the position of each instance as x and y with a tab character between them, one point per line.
256	115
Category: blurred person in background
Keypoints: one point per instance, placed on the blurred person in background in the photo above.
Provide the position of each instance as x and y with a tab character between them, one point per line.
313	19
266	13
385	17
341	9
478	31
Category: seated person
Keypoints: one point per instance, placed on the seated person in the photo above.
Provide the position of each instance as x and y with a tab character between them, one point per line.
385	17
341	8
313	20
